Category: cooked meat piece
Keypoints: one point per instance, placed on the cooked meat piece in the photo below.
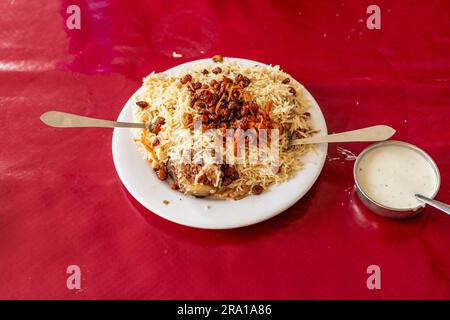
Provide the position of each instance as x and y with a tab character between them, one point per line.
227	181
200	190
212	173
172	171
229	193
194	179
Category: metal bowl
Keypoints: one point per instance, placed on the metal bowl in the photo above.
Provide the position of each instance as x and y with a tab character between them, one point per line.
379	208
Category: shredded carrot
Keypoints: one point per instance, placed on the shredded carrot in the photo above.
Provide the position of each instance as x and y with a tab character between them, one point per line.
239	90
231	91
218	103
187	125
149	149
186	115
237	136
268	107
260	124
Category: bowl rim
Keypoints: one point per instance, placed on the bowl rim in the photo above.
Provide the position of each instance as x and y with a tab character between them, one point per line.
403	144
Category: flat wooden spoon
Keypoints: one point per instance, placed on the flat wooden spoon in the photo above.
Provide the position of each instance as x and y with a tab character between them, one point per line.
60	119
375	133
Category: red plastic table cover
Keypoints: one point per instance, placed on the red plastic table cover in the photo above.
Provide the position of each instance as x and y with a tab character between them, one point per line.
62	203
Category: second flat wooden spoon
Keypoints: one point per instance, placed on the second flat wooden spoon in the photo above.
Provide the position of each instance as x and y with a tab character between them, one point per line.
375	133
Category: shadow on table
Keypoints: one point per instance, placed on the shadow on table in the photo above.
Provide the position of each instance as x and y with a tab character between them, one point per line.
390	230
291	216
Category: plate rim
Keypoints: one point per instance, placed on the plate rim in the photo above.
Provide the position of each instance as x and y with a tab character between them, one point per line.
154	210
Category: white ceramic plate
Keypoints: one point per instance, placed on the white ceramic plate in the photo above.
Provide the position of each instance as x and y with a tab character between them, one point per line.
140	180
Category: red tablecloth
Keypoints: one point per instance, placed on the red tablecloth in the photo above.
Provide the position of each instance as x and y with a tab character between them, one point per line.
62	203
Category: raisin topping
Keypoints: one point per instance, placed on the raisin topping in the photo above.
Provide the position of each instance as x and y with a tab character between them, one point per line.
156	127
187	78
161	173
292	90
142	104
217	58
257	189
217	70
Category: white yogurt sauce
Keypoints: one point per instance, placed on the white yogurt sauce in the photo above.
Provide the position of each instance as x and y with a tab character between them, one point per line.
392	174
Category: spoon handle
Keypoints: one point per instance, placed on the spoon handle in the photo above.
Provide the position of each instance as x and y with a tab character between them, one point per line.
436	204
375	133
68	120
